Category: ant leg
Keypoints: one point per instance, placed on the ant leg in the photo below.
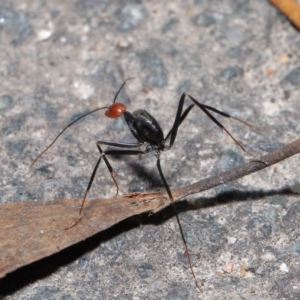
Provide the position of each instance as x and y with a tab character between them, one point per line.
103	155
118	152
183	116
177	121
205	108
118	92
177	218
109	167
90	183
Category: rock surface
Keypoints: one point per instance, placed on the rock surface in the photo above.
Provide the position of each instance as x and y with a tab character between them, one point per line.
63	58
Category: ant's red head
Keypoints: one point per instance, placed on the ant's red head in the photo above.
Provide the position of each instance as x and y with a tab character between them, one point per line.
115	110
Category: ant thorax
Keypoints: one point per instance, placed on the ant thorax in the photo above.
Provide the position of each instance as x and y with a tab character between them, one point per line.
145	128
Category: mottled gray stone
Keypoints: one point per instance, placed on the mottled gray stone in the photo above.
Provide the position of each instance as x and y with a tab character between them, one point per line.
169	25
15	24
219	52
154	67
205	19
145	270
229	73
14	125
6	101
230	159
293	77
177	293
131	15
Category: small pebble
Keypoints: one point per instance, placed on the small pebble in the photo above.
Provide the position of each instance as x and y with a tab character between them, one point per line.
229	267
283	268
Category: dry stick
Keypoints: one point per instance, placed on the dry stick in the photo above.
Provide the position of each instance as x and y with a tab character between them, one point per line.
239	172
30	231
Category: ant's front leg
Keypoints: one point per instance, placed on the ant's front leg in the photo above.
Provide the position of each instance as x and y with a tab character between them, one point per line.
206	109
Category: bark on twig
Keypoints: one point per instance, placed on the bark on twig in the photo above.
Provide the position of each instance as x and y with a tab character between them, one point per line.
32	230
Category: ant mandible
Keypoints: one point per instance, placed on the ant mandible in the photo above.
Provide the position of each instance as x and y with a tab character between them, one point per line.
147	132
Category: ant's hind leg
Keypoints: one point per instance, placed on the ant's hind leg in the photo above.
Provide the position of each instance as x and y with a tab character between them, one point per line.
110	169
120	152
108	165
90	183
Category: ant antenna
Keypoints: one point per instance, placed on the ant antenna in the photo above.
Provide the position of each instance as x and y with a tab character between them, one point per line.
69	125
86	114
117	94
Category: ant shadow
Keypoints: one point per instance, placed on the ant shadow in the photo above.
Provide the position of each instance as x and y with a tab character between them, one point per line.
46	266
150	178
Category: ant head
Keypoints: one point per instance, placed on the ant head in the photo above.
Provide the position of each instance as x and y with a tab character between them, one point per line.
115	110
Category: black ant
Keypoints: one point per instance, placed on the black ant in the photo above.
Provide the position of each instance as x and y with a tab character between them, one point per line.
149	134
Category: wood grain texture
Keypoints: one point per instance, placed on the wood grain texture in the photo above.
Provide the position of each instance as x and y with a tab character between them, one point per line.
32	230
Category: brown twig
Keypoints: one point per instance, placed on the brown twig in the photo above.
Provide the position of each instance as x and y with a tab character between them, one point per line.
32	230
241	171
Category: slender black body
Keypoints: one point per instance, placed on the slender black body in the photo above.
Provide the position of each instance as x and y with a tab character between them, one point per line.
147	131
149	134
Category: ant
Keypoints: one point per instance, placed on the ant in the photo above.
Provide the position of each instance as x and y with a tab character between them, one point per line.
149	134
